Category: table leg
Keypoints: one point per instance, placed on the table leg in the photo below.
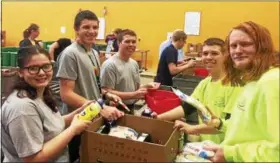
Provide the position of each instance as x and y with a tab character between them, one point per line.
146	53
142	59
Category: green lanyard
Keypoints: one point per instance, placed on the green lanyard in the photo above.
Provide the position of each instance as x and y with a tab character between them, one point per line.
96	67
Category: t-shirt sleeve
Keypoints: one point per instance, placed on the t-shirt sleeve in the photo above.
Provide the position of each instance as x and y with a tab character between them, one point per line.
171	56
26	131
108	75
67	66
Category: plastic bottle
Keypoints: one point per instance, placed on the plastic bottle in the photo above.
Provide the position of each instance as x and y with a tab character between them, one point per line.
91	110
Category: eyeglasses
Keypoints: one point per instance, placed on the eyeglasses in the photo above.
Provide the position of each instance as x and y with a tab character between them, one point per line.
36	69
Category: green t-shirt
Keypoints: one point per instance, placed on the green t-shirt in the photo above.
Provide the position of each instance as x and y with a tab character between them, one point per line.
219	99
253	130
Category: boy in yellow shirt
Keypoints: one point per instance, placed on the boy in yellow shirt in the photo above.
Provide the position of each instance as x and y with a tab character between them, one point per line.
210	91
252	133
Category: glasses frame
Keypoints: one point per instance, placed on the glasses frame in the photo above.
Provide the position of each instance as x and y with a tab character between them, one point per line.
40	67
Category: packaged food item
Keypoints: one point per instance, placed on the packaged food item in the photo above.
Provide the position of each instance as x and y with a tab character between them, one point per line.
110	128
205	114
197	150
189	158
144	137
147	112
154	85
194	152
123	132
91	110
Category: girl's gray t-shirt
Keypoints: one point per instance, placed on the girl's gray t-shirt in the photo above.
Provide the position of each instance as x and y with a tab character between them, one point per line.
26	125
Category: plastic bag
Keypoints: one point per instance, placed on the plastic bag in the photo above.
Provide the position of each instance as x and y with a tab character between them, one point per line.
123	132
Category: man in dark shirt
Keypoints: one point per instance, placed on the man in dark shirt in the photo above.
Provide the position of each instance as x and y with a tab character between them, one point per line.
57	47
168	66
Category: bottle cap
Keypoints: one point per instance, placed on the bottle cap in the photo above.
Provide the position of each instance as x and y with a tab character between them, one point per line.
203	154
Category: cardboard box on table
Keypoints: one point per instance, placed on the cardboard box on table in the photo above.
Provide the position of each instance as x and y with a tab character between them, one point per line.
97	147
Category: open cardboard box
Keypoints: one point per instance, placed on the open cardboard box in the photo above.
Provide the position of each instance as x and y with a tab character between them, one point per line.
97	147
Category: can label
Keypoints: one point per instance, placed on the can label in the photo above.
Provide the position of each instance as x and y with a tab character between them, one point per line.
90	111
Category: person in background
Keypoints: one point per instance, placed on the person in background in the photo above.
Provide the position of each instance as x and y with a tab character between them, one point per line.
210	92
112	41
29	36
168	65
168	42
78	73
58	46
120	73
32	128
252	133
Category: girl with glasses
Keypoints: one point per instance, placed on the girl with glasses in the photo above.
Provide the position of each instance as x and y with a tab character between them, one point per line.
32	128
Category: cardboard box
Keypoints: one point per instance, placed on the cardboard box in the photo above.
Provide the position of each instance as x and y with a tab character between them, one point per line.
191	54
97	147
199	47
191	47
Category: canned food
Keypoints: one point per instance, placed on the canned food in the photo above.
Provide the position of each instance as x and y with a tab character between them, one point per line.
91	111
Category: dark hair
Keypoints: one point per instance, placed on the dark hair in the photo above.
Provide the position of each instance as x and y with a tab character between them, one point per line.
117	31
125	32
263	59
82	15
179	35
32	27
24	55
215	41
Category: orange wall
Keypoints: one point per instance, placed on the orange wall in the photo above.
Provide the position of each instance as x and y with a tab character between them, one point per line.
150	20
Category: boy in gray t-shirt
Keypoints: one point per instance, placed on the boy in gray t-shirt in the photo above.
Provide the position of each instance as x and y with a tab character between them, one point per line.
120	73
78	65
78	72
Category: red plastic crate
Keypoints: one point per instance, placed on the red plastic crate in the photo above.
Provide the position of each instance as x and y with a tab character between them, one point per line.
161	101
202	72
